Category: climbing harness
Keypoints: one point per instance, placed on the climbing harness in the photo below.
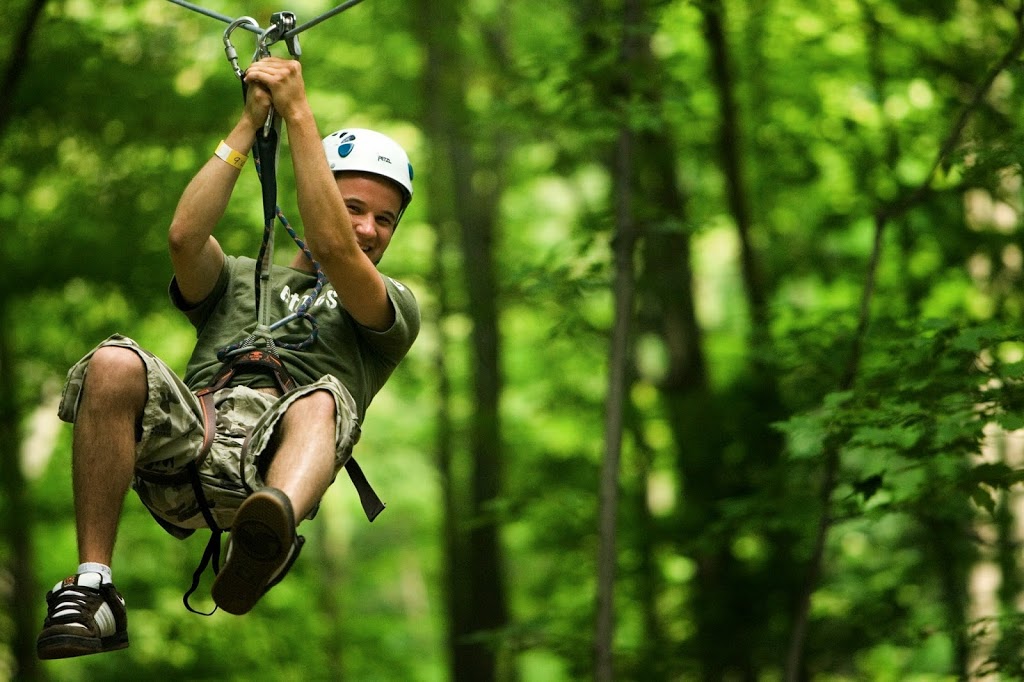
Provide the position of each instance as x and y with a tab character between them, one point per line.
258	350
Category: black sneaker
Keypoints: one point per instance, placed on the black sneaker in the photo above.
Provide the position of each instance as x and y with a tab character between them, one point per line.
83	616
262	547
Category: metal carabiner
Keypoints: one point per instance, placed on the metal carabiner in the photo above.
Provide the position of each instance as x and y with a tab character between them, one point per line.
266	39
229	49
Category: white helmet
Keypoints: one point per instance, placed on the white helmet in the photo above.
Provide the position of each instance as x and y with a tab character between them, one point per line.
367	151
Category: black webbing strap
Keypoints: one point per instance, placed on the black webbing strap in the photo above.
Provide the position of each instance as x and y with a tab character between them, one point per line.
211	555
264	152
191	474
259	360
372	504
263	360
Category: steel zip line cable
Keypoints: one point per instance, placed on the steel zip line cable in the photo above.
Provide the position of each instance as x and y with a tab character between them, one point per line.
213	15
327	15
255	29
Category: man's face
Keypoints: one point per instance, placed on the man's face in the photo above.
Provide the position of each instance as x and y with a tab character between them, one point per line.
374	205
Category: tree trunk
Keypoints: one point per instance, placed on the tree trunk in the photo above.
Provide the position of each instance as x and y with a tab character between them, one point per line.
615	406
479	612
1006	552
651	663
17	63
667	310
947	542
16	515
16	521
331	563
773	587
440	209
620	351
454	550
489	613
729	149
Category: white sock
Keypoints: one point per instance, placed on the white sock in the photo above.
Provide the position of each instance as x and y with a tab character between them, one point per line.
94	567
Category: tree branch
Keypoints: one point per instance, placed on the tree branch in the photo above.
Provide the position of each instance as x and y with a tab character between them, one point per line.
732	160
882	217
17	65
1012	54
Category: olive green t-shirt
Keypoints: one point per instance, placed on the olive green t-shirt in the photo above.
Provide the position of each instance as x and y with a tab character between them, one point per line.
362	359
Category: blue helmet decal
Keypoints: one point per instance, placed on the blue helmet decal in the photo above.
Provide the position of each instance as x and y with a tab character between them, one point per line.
347	144
410	172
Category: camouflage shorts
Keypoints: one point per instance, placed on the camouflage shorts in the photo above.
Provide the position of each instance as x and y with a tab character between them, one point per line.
172	434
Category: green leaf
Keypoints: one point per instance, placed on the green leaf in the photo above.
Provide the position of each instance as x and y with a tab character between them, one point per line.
867	487
1011	422
984	499
805	436
977	339
996	474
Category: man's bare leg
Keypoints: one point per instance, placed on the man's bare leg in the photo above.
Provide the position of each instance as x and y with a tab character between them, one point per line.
85	614
303	466
103	450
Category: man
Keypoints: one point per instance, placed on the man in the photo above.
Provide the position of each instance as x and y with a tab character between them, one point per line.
277	448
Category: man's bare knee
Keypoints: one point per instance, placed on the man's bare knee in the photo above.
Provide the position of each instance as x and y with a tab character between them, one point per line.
316	405
117	362
116	372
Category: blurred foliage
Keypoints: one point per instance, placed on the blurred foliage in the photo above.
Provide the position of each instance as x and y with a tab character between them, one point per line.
844	106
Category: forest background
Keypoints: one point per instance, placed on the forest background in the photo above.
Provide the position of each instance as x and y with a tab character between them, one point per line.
721	363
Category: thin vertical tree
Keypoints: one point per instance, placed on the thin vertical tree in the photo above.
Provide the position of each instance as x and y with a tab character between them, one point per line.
477	602
768	588
440	214
619	354
15	509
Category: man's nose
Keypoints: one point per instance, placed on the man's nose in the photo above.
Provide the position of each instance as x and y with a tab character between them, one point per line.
363	224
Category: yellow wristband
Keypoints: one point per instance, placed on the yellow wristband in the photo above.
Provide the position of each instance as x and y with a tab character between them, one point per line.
230	156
